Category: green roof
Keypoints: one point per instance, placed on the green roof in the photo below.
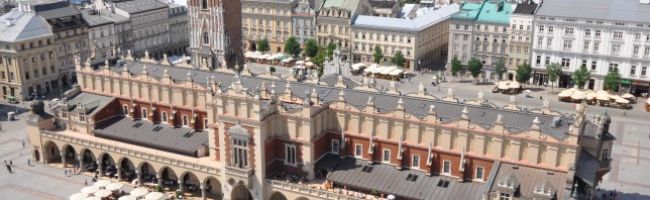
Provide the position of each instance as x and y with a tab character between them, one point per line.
486	11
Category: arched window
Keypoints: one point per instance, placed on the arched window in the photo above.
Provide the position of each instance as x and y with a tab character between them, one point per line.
206	39
204	4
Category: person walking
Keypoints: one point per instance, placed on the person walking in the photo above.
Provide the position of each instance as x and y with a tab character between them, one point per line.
11	162
9	169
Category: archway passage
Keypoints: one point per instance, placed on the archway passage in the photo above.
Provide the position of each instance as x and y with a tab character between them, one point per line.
88	158
37	155
213	188
148	173
70	156
278	196
169	178
51	153
107	166
190	182
127	170
240	192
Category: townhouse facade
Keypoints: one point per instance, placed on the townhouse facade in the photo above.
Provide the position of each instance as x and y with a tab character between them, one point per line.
270	20
520	40
579	36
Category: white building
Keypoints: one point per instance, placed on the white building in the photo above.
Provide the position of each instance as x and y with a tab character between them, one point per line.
602	35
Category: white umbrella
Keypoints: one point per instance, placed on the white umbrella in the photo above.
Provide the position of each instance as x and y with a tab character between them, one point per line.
357	66
103	193
155	196
591	95
300	62
114	186
102	183
78	196
503	85
286	60
396	72
309	64
602	96
138	192
578	95
391	197
249	54
628	96
623	101
514	85
127	197
89	189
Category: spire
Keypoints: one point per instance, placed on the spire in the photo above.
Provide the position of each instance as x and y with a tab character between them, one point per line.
106	64
144	69
370	101
342	96
166	73
499	119
189	76
536	123
400	103
314	96
287	88
465	113
273	88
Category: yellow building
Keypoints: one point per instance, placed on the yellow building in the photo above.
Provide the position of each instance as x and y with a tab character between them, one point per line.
264	19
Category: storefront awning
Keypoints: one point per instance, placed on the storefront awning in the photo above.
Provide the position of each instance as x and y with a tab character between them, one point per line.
626	82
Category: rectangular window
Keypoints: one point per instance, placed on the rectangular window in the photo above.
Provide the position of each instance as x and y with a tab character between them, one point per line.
605	154
335	146
540	41
479	173
541	29
637	36
566	62
504	196
612	66
633	70
587	32
290	154
240	153
646	52
386	156
593	65
186	121
358	150
549	42
415	161
125	110
644	69
538	60
144	113
567	44
586	45
618	35
568	31
616	49
164	117
635	51
596	46
548	60
82	117
446	167
550	29
597	33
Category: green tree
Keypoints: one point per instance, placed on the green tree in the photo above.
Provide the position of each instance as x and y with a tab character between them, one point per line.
475	67
320	57
320	70
500	68
581	76
398	59
612	80
272	70
292	47
456	66
263	45
311	48
377	55
554	71
524	72
329	50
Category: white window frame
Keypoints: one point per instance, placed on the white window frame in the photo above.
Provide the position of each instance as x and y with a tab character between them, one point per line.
290	155
476	176
384	153
442	170
335	146
144	113
358	150
415	163
163	117
239	153
186	120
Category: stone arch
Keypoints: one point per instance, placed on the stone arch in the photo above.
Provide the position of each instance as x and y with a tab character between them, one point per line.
190	181
278	196
107	165
88	159
148	172
240	192
51	152
168	177
127	169
213	187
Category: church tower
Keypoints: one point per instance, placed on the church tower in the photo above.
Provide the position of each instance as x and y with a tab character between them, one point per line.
215	33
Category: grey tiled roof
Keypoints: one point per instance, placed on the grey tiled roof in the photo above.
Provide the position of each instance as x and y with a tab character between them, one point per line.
514	121
138	6
167	138
25	26
59	12
615	10
527	8
528	179
92	102
389	180
94	19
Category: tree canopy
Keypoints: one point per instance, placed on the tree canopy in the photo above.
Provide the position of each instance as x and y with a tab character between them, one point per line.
329	50
263	45
612	80
456	66
581	76
292	47
398	59
524	72
311	48
554	71
475	67
500	69
377	55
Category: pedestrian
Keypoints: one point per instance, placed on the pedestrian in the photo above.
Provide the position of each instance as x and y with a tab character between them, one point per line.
29	162
9	169
85	182
11	162
23	144
540	97
65	171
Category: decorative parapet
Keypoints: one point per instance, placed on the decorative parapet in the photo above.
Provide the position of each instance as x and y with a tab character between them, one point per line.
308	191
130	152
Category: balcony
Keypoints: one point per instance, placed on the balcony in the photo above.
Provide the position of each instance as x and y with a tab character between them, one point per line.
316	192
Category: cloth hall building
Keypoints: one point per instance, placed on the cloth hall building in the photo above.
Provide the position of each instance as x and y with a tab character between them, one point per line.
237	136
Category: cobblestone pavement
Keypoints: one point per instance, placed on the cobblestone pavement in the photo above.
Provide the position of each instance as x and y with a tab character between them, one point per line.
30	182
